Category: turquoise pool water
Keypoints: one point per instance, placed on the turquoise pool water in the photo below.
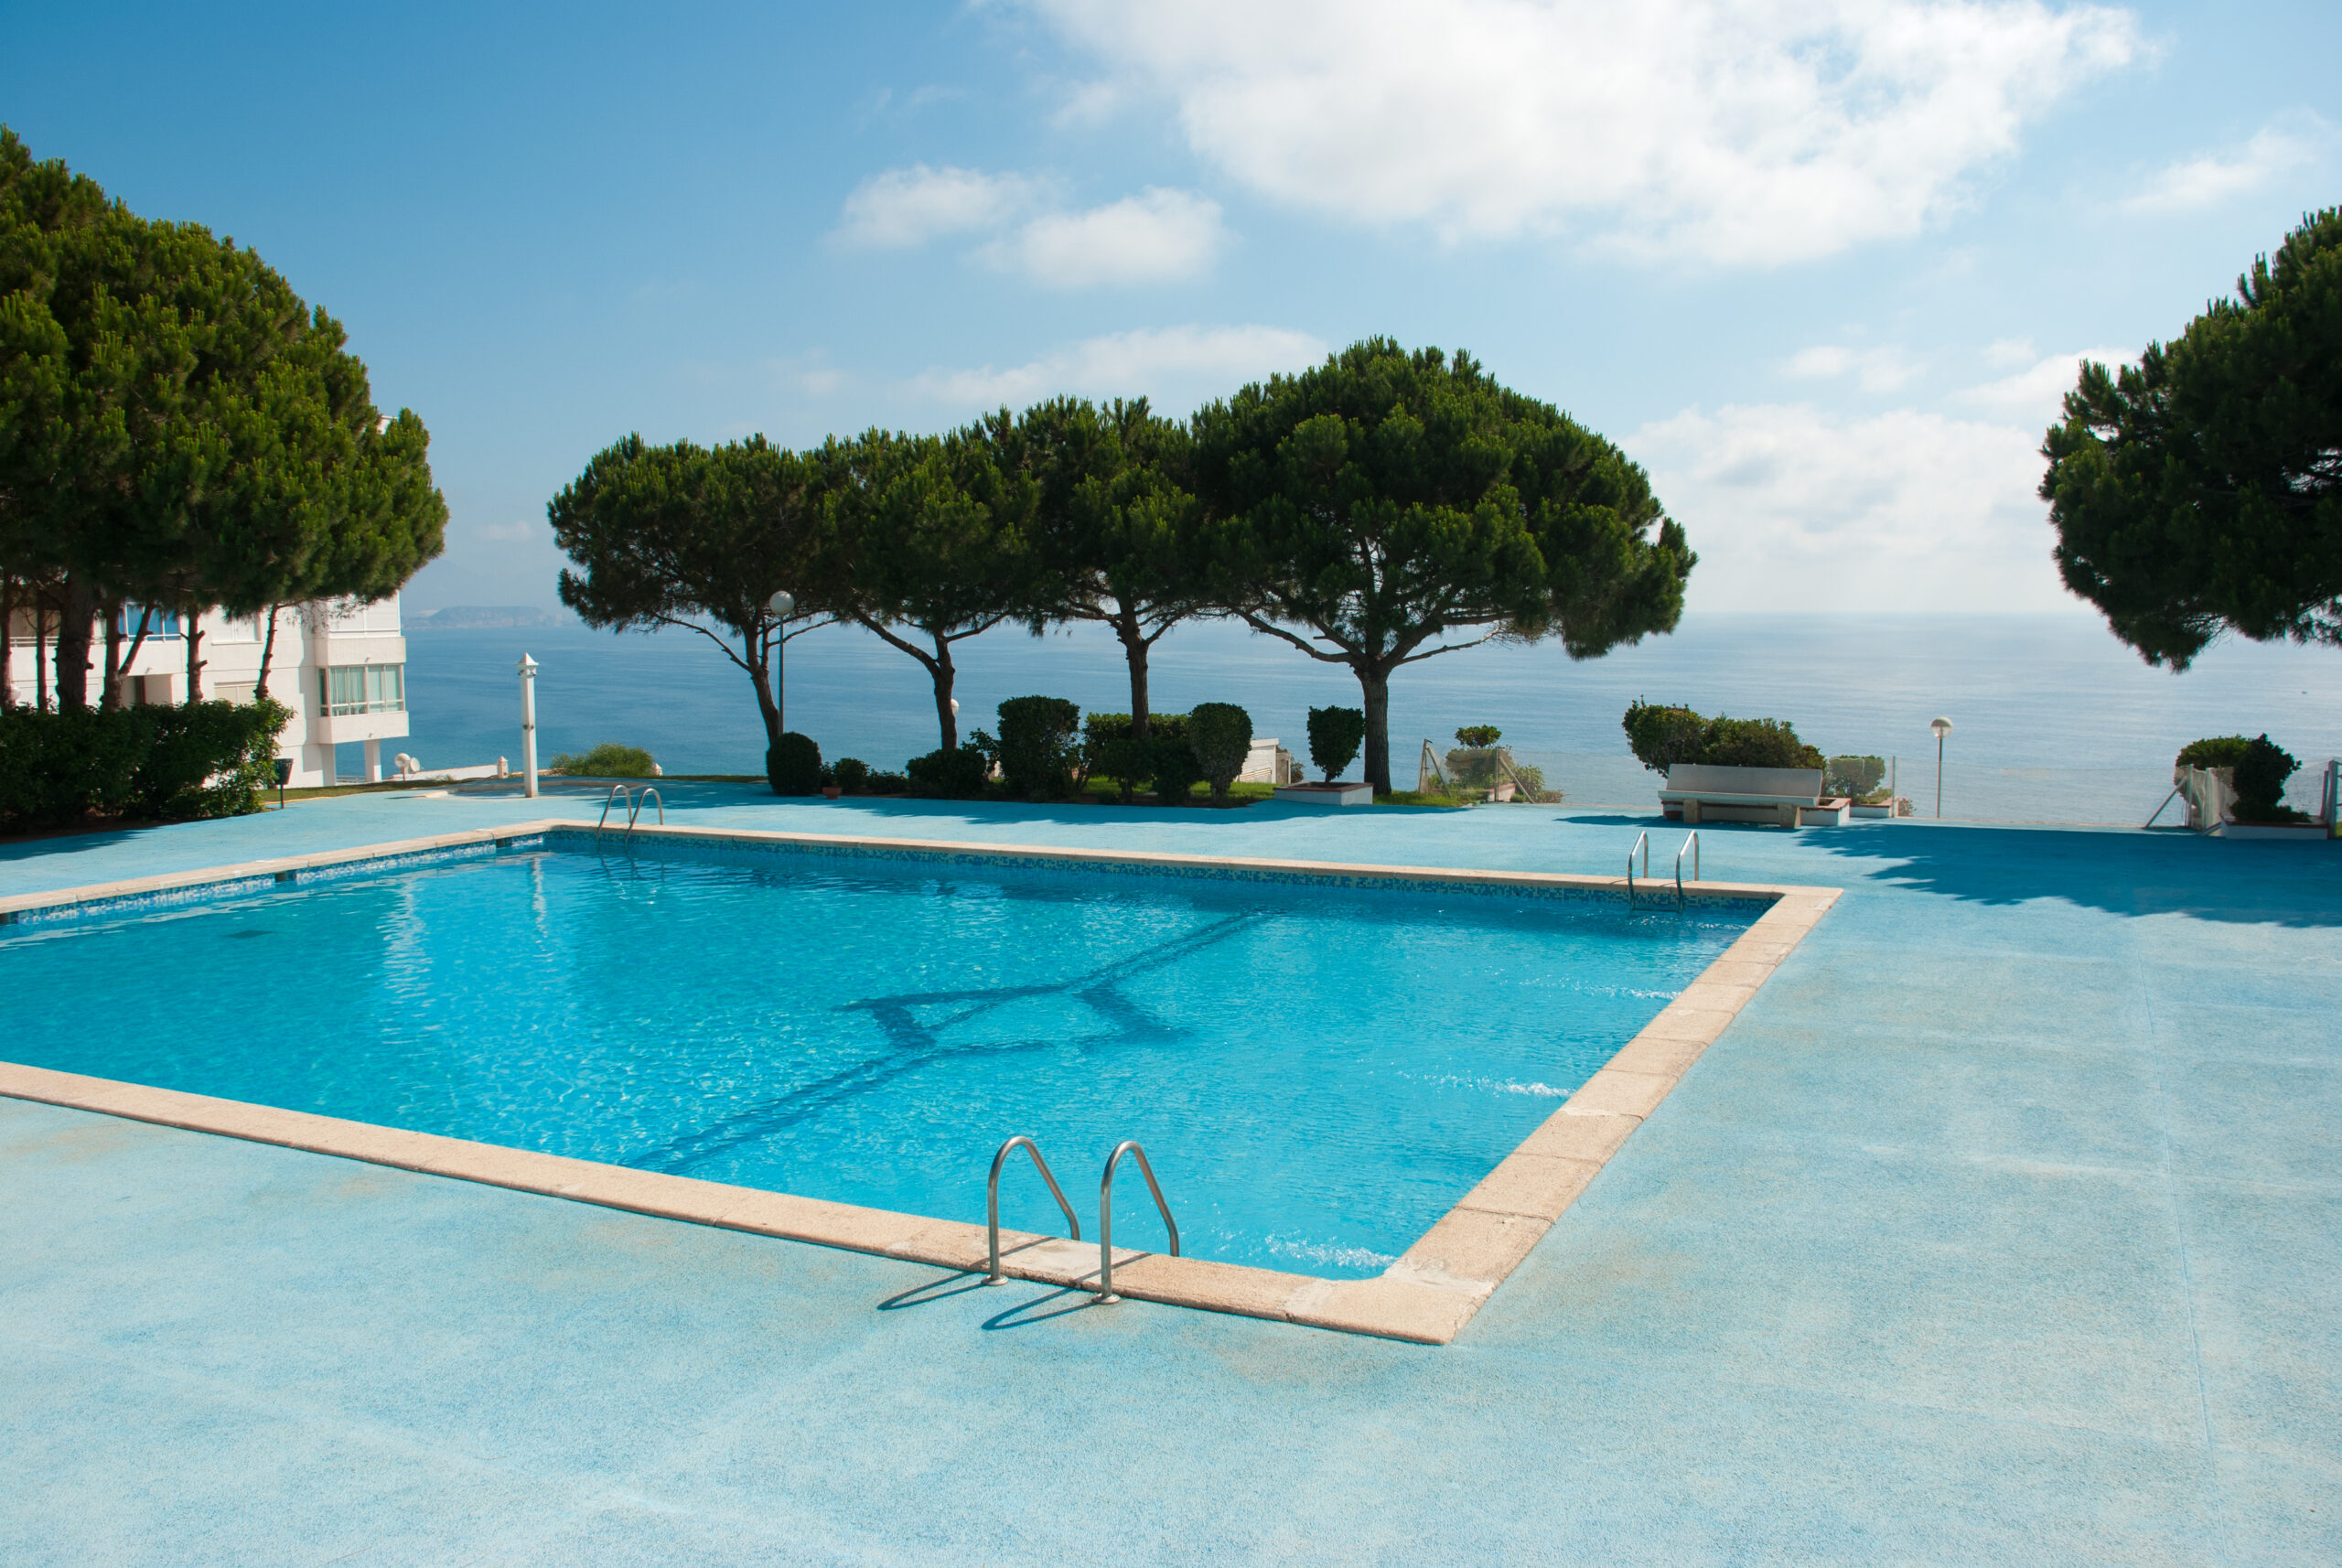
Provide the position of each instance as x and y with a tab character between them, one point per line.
1318	1072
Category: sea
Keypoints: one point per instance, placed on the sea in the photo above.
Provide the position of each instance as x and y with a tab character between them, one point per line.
2053	720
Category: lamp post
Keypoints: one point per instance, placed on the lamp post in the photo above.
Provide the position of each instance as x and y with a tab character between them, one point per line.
529	723
783	604
1941	727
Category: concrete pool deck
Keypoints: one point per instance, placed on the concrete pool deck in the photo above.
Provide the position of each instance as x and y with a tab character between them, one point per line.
2002	1225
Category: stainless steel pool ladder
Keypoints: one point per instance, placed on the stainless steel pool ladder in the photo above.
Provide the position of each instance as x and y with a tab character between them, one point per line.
1106	1296
634	804
1692	844
1642	842
648	794
992	1199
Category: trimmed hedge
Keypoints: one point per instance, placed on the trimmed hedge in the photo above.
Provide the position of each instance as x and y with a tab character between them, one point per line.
1221	734
1040	746
954	775
202	759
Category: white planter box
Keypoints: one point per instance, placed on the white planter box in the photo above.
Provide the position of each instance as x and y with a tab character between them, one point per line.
1340	794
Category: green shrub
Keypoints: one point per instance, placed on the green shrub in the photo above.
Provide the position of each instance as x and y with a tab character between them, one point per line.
1663	736
885	783
202	759
607	760
2216	751
793	765
957	774
1039	749
1335	736
1176	771
852	774
1221	734
1754	742
1856	778
1126	759
2261	775
1478	737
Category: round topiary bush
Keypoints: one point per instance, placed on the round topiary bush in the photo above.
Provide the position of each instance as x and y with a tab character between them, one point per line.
793	765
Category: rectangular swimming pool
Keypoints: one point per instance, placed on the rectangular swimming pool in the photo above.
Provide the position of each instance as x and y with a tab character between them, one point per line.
1318	1066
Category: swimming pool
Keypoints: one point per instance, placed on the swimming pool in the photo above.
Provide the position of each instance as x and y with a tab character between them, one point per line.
1319	1067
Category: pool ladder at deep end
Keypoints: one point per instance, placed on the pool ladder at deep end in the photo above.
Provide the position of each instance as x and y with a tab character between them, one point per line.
1104	1295
1642	843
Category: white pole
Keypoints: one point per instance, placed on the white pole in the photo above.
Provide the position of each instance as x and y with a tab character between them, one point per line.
529	723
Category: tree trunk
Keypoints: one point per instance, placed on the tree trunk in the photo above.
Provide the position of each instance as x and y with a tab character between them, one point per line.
267	653
1374	686
40	650
759	676
7	643
193	658
944	675
1136	648
110	678
79	610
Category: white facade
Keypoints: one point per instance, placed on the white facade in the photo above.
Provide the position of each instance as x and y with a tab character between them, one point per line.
340	667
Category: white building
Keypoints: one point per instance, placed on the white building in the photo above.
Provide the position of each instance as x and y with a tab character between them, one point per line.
340	667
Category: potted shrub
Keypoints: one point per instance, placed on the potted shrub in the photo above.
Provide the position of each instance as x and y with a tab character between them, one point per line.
2255	771
1731	770
1336	736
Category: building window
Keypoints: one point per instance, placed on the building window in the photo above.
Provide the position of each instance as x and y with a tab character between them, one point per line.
162	626
364	689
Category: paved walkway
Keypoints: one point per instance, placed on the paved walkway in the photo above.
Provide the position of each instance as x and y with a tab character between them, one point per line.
2004	1226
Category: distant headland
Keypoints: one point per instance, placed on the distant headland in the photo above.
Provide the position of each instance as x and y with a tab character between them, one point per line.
482	617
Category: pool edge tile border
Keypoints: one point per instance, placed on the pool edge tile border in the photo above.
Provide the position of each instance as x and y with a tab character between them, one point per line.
1427	1297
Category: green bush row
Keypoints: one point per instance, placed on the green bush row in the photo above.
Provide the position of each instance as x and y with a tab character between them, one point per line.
1046	751
202	759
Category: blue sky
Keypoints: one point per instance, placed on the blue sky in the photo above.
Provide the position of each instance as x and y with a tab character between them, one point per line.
1822	268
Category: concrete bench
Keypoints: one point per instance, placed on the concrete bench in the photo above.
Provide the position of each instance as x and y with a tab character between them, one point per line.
1791	796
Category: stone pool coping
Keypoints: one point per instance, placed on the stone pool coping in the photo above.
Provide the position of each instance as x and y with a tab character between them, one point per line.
1427	1297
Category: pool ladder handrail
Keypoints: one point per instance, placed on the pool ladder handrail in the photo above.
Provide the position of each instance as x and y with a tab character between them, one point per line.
1106	1296
992	1199
1642	842
634	804
1692	844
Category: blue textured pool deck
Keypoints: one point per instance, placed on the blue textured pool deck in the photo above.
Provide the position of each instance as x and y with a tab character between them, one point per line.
2003	1226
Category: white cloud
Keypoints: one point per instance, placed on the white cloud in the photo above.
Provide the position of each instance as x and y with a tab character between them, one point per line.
2006	353
1179	368
1157	236
1702	131
907	207
2194	184
2035	395
1794	508
1874	369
